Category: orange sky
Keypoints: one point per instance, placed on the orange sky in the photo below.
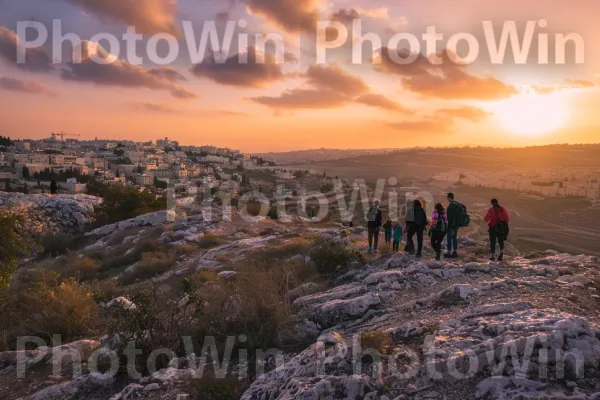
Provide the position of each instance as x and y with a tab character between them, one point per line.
299	104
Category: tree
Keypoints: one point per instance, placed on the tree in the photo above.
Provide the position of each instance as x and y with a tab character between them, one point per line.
7	187
13	244
26	174
25	188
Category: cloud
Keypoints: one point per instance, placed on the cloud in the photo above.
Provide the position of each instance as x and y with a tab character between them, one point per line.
380	101
428	124
442	121
449	80
345	16
296	16
148	16
36	59
568	84
470	113
122	73
17	85
153	107
328	86
304	98
167	109
232	72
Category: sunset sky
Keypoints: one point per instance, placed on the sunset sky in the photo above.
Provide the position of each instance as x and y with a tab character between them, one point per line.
300	104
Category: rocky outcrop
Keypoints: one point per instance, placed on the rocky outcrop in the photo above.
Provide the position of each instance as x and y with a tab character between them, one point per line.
51	215
150	219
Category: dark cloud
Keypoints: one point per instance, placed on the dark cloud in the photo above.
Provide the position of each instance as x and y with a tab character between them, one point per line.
233	72
36	59
328	86
449	80
291	15
304	98
121	73
148	16
345	16
17	85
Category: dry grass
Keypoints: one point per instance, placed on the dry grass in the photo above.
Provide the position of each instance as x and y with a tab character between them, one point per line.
209	241
50	306
378	340
151	265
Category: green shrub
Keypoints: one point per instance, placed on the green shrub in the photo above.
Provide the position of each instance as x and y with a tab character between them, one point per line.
55	245
332	258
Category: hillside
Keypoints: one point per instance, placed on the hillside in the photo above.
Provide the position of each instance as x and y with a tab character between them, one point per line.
348	324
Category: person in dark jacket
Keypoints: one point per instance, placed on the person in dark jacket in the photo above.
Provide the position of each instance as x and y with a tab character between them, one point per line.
416	226
53	187
387	228
453	214
439	228
497	218
374	218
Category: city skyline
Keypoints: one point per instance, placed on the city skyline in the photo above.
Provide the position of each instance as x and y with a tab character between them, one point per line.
300	103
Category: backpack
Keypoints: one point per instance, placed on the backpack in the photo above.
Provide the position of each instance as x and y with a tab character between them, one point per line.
372	214
462	217
441	225
502	227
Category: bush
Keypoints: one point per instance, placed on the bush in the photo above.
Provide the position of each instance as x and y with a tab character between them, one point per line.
80	268
55	245
151	265
216	389
332	258
13	244
164	319
378	340
50	306
209	241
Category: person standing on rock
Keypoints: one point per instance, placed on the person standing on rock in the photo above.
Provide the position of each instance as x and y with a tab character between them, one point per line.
417	226
439	229
387	228
498	219
457	217
374	218
397	236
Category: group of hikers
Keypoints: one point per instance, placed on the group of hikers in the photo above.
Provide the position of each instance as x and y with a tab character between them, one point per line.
444	223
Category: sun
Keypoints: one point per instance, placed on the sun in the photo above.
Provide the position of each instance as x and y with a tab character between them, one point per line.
530	113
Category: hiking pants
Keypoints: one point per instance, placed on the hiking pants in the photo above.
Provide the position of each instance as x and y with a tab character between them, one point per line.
452	244
496	236
412	230
373	237
388	236
436	241
396	246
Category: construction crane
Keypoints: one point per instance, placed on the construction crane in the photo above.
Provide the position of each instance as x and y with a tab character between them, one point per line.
62	135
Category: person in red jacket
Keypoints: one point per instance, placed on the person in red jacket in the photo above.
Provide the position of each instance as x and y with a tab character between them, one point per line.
497	219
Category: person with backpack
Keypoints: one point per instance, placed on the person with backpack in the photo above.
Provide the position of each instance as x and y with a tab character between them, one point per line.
498	219
457	218
439	229
387	228
397	236
373	225
417	226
